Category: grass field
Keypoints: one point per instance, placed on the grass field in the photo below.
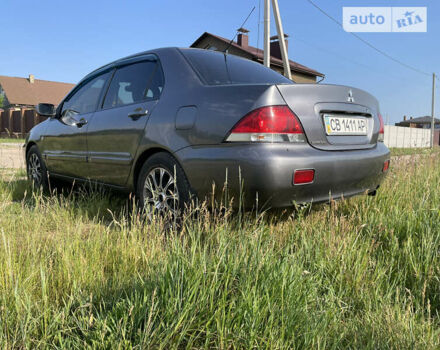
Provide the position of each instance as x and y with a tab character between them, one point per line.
411	151
11	140
76	271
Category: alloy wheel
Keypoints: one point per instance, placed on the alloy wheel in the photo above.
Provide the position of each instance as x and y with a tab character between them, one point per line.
160	192
34	169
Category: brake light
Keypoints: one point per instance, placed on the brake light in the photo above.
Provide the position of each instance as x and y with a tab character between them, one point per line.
381	129
268	124
301	177
386	165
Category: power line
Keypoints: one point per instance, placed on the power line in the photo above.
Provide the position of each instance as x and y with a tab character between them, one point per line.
232	40
258	21
369	44
352	61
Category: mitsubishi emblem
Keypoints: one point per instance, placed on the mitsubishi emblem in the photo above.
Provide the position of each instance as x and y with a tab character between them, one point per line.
350	97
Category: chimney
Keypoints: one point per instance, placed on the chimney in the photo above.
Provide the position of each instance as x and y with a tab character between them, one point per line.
275	49
404	118
31	78
242	37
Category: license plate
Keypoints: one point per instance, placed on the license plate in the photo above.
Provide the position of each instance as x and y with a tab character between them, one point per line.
336	125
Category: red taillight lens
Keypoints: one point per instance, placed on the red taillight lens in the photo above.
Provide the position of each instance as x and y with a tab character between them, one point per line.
268	124
386	165
381	128
271	119
303	176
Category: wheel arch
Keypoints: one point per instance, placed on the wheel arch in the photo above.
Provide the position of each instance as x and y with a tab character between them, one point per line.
143	158
29	145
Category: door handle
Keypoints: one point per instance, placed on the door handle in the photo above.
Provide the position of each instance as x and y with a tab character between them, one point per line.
137	113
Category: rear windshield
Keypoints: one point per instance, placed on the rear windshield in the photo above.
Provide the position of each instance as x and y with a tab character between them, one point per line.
217	68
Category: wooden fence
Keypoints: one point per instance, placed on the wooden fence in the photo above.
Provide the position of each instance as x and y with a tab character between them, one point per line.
17	122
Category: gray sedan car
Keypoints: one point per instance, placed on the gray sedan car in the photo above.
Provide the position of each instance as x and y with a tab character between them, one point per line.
174	124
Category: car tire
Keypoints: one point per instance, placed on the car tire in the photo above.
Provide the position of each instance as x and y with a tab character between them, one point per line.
162	186
36	169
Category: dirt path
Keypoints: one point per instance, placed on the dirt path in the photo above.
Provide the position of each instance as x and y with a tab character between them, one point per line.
11	156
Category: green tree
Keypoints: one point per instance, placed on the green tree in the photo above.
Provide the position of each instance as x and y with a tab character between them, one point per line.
2	99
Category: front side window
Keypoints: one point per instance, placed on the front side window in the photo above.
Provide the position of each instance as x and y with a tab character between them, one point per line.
135	83
85	100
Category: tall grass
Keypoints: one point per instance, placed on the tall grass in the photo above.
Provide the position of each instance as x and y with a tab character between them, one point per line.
11	140
411	151
77	271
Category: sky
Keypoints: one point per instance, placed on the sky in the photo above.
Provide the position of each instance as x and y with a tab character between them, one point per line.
65	40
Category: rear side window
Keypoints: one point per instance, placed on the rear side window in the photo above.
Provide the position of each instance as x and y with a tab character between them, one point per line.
135	83
85	99
217	68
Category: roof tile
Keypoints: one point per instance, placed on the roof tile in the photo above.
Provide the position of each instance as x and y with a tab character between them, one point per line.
20	91
259	54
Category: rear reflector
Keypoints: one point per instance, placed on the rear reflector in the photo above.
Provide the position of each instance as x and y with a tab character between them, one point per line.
381	129
303	176
268	124
386	165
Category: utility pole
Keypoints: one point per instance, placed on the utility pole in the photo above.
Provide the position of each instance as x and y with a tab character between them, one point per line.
433	110
266	60
283	48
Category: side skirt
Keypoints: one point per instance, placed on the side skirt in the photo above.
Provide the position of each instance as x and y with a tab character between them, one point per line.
89	181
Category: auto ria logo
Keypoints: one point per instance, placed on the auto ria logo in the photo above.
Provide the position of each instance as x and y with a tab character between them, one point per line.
385	19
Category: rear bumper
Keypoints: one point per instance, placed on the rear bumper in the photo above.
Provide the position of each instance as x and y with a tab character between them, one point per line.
266	172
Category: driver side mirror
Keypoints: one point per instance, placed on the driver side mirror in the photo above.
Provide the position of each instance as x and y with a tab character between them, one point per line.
46	109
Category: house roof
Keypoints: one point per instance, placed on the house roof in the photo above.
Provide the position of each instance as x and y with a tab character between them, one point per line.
419	120
258	54
19	91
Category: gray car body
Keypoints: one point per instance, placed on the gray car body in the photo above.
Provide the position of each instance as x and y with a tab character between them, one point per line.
191	121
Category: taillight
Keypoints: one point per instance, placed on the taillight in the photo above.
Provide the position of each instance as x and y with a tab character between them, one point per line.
268	124
386	165
381	129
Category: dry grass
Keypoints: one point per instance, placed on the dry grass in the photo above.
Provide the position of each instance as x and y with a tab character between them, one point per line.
79	271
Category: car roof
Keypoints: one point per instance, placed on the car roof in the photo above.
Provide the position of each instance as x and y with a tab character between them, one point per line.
123	59
158	51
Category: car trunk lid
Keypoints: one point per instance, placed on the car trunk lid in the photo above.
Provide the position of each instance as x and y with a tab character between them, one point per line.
314	104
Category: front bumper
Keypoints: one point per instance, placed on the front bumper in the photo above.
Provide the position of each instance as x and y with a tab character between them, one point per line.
264	172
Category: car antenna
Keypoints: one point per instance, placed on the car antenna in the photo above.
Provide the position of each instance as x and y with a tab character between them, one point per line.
230	43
